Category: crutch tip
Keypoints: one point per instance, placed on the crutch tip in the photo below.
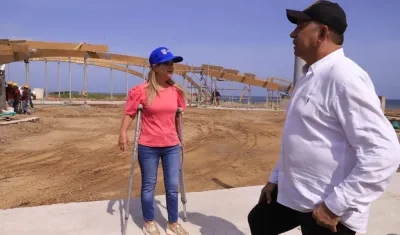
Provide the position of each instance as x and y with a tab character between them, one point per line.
180	110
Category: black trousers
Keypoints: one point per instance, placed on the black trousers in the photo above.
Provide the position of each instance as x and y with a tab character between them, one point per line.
274	219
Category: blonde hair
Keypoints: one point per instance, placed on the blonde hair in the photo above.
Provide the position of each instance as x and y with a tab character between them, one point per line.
152	87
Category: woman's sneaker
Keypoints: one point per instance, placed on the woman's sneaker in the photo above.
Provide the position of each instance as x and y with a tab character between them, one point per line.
151	229
176	230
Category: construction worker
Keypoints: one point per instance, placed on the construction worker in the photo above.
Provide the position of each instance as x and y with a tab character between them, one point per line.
25	98
32	96
85	94
215	95
17	97
10	94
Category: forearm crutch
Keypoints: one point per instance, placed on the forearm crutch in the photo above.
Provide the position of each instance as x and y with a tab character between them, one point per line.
181	170
134	154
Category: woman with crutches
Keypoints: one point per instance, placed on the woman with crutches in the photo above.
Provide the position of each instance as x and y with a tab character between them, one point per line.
160	98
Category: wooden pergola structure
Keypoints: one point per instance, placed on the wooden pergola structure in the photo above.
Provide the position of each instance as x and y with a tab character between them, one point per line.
20	50
98	55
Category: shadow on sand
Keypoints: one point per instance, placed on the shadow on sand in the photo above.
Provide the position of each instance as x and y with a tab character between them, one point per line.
135	212
208	224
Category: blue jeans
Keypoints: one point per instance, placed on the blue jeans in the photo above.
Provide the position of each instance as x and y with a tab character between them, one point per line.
24	106
148	161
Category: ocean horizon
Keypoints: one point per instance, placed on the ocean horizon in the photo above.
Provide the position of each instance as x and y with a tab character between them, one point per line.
390	103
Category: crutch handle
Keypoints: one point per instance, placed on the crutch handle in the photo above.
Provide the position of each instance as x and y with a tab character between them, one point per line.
140	107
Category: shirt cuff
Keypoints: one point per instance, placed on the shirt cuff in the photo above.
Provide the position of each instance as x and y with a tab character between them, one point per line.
274	177
335	204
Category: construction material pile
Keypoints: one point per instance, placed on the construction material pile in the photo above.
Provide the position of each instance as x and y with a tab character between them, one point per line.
395	124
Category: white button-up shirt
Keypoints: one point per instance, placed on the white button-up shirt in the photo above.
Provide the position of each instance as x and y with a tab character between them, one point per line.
337	145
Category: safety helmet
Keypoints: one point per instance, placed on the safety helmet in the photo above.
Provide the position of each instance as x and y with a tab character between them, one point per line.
15	84
26	86
9	83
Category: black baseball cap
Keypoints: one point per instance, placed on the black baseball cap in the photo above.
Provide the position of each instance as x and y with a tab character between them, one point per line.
324	12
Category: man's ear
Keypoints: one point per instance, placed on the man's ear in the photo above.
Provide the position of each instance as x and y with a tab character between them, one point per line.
323	32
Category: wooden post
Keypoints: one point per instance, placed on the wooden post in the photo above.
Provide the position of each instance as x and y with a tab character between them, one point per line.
383	103
2	90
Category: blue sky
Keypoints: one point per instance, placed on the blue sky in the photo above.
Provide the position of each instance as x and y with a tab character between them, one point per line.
251	37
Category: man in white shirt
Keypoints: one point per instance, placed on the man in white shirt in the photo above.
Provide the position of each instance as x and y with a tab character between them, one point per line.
338	149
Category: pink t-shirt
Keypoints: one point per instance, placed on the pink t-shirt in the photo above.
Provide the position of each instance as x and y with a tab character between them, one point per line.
158	121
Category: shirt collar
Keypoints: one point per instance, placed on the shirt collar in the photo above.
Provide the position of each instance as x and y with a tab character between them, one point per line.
322	63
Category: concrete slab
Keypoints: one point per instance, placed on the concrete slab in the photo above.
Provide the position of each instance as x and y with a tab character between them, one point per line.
211	212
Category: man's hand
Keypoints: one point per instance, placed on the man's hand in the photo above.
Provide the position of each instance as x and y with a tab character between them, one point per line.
266	192
325	217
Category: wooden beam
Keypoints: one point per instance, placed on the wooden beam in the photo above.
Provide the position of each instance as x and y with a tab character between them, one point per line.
121	59
240	78
143	62
211	67
102	63
193	69
20	48
6	50
7	53
249	75
280	79
57	45
5	59
108	64
232	71
67	46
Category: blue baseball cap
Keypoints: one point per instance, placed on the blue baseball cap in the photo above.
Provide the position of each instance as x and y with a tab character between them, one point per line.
163	54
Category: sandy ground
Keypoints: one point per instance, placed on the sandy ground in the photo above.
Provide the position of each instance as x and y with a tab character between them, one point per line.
71	154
